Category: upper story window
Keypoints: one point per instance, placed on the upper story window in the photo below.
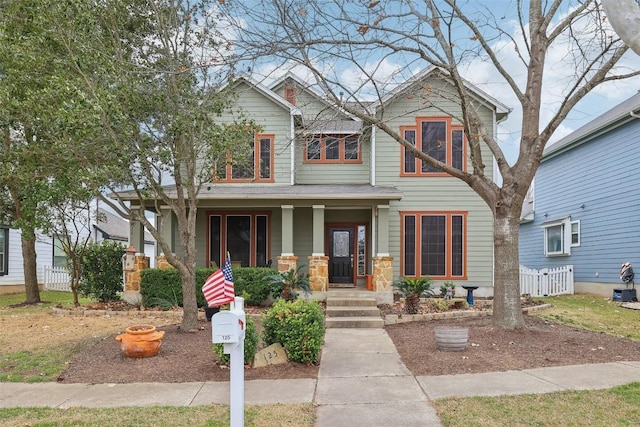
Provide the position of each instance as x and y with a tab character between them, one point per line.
333	149
257	167
4	251
560	236
436	137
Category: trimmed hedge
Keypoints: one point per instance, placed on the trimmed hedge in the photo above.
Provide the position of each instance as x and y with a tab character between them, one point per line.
162	288
298	326
101	271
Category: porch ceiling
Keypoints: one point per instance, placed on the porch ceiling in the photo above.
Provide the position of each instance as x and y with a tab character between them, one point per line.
290	192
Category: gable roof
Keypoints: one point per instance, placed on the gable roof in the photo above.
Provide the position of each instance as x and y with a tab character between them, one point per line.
267	93
113	227
307	87
502	111
617	116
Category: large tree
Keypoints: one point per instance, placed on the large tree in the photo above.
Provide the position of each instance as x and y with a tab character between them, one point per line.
37	95
355	51
156	70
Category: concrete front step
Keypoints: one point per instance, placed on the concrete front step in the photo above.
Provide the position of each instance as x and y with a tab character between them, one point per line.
353	322
352	311
351	302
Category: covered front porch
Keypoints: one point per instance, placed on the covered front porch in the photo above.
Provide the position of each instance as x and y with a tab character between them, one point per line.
339	233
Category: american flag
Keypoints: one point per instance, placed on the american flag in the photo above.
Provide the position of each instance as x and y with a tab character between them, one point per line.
218	288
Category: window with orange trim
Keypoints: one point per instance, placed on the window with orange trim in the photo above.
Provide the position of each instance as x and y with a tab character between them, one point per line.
258	167
333	149
434	244
245	235
436	137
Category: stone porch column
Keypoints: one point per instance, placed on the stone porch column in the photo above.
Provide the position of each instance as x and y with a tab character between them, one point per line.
319	273
132	276
287	262
383	276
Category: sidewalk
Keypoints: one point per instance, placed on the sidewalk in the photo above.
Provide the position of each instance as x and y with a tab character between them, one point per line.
361	382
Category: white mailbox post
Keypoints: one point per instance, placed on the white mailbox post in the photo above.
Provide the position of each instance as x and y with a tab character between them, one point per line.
228	328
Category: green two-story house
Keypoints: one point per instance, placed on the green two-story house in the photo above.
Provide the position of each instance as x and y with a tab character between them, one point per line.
345	199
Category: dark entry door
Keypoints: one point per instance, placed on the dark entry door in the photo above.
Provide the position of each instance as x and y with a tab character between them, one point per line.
341	254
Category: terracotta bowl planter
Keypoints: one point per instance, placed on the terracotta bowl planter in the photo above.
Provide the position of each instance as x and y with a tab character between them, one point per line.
140	341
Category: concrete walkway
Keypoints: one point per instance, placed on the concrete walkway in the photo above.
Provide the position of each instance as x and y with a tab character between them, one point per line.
361	382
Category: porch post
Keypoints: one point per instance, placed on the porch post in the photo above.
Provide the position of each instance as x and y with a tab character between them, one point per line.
136	235
383	230
383	262
287	260
318	262
167	226
318	230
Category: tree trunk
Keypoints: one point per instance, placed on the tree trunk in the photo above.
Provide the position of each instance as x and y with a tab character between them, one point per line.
30	267
507	310
189	302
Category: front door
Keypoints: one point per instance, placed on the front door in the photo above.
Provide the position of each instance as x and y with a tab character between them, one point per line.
341	254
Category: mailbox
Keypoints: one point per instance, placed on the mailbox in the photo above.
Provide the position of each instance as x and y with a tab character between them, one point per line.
226	327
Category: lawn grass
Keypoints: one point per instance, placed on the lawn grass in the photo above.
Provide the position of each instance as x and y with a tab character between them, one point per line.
294	415
593	313
49	299
619	406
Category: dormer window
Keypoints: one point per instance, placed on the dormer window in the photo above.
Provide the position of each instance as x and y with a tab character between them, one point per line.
333	149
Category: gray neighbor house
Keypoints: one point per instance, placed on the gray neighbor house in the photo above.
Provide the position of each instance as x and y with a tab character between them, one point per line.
344	199
585	209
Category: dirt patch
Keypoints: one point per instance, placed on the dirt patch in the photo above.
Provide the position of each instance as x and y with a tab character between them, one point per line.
183	357
491	349
189	357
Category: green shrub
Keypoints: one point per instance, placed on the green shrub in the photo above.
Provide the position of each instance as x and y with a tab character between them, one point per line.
440	305
251	340
163	288
298	326
251	283
412	289
101	271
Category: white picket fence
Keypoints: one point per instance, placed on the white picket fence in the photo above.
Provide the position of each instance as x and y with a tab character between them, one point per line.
57	279
546	282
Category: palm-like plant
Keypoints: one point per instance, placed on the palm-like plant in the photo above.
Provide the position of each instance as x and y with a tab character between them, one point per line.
285	284
412	289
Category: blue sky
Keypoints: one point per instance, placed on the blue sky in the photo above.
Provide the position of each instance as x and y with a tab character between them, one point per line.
480	72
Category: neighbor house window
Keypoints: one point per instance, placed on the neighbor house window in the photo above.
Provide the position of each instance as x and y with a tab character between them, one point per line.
560	235
436	137
59	257
245	235
257	166
332	149
575	233
4	251
434	244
